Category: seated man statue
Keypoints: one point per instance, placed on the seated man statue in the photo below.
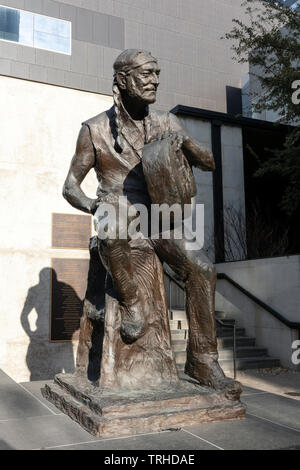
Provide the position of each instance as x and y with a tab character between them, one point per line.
112	144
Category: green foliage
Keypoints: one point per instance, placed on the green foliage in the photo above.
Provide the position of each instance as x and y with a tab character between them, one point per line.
270	41
286	162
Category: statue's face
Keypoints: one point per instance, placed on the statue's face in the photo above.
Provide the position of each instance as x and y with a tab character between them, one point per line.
142	82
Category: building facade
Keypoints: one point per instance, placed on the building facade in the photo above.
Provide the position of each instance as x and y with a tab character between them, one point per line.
184	35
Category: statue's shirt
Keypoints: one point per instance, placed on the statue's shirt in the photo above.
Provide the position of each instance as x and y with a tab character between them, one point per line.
121	171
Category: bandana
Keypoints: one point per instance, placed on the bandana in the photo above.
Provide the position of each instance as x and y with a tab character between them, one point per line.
131	59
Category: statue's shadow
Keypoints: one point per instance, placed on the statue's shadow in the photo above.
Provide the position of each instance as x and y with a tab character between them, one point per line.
44	358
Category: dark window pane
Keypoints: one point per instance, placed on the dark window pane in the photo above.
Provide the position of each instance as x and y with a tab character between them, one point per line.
11	37
10	23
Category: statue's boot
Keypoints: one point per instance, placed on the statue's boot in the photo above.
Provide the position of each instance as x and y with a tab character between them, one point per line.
206	369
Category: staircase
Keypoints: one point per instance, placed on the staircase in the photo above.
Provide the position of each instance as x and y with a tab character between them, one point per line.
248	356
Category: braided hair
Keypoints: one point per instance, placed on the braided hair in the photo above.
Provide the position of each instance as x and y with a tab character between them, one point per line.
117	103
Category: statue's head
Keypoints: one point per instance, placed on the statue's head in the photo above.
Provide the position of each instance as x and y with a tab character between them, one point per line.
136	74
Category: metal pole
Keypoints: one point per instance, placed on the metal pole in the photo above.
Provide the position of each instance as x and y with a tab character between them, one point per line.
170	299
234	351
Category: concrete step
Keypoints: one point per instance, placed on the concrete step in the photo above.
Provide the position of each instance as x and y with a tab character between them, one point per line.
250	363
177	314
179	334
226	321
243	352
179	345
183	324
228	332
224	343
242	363
180	356
221	333
220	314
227	355
180	314
178	324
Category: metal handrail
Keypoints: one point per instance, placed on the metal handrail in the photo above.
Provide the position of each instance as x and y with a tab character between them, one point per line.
220	322
271	310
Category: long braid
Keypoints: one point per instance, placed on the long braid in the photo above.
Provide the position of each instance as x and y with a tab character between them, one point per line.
147	127
117	104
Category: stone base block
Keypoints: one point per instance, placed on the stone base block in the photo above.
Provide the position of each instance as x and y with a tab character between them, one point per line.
106	413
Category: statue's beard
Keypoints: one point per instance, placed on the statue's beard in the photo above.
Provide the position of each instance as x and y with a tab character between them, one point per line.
145	97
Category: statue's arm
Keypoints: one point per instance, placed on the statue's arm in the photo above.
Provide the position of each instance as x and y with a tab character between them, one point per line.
196	154
28	306
82	162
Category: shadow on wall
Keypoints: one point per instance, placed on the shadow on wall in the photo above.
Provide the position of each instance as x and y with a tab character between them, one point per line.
44	358
5	446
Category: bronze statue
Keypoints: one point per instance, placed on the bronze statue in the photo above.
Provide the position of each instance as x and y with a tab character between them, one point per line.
112	143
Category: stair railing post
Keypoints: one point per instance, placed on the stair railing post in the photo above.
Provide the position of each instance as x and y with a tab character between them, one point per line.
234	351
170	297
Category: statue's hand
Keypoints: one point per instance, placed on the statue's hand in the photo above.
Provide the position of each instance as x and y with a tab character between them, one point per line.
108	198
113	215
174	136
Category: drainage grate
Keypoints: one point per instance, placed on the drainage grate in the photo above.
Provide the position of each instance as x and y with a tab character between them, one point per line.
293	394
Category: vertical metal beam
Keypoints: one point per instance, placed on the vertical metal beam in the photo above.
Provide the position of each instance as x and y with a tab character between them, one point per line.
218	191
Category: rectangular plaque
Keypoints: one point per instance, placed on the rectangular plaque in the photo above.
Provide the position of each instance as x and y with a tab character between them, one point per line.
71	231
68	287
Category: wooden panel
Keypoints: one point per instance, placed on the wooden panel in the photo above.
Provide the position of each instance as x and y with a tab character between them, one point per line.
71	231
68	287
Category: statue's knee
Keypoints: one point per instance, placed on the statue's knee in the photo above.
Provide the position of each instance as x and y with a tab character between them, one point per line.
204	268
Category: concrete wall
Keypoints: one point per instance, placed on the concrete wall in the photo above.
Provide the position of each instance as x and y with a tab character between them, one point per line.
233	181
184	34
201	130
276	281
38	137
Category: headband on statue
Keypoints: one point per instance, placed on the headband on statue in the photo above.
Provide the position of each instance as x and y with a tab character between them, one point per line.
131	59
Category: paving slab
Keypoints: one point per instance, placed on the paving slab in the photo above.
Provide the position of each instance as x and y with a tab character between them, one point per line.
275	380
174	441
281	410
250	433
16	402
35	387
250	391
41	432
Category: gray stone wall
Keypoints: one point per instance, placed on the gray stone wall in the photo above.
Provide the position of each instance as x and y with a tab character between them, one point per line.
275	281
184	34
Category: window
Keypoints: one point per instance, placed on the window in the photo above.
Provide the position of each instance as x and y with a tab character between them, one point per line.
293	4
31	29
